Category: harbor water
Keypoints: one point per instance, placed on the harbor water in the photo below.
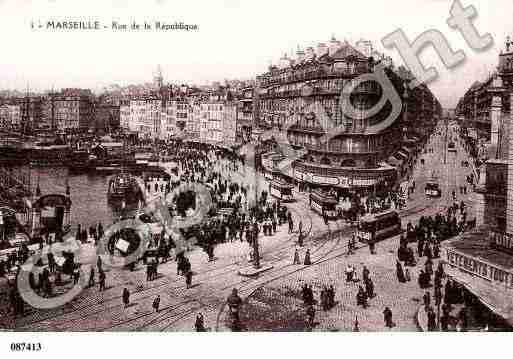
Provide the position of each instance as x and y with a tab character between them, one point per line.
88	193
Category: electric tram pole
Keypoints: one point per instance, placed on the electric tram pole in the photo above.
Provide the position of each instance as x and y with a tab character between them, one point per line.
253	164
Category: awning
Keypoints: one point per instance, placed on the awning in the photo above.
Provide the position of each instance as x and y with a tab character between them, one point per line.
495	298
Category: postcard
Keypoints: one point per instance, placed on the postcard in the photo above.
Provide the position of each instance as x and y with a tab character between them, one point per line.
239	166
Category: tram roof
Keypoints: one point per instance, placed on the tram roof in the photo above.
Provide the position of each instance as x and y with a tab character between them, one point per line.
325	198
375	216
279	183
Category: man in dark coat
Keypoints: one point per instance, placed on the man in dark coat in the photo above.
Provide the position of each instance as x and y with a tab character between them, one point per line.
310	312
199	325
126	297
188	279
308	260
234	302
427	300
369	288
91	277
156	303
101	280
431	320
400	272
387	316
365	273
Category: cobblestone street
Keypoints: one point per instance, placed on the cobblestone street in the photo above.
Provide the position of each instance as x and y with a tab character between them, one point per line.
273	298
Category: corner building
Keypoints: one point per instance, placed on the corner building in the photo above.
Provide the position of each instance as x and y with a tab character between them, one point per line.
302	96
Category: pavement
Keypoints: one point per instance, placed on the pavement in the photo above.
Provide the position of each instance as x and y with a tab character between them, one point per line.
282	292
272	298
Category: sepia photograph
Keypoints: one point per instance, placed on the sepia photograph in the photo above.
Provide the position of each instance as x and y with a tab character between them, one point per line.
239	166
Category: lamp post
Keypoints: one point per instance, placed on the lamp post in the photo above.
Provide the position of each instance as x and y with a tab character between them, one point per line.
446	122
256	259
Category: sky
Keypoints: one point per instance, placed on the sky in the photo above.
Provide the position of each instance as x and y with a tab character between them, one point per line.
235	39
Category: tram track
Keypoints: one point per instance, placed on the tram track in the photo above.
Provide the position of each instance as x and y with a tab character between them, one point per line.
239	283
226	269
172	314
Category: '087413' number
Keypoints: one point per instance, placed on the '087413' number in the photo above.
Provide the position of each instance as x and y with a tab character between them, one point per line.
26	347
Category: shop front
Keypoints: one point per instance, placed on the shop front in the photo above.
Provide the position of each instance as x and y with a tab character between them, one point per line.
362	180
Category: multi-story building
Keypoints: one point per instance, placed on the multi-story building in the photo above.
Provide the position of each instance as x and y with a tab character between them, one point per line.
31	112
302	96
211	121
482	260
10	117
124	114
421	109
245	115
193	124
485	104
68	110
145	114
229	123
175	114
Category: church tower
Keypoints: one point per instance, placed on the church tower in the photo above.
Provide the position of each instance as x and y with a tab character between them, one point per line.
158	79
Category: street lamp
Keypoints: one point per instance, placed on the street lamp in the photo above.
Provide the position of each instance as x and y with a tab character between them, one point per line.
256	259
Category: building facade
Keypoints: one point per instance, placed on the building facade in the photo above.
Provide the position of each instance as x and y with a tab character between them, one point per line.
245	115
485	104
68	110
145	116
482	260
304	97
10	117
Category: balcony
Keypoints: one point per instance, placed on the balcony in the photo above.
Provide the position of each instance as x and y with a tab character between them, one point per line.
366	88
314	75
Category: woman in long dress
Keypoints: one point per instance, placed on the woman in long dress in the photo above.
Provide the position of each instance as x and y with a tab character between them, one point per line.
400	272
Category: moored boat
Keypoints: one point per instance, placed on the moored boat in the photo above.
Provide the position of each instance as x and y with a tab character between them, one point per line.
123	186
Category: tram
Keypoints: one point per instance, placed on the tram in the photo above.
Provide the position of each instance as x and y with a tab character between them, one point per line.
378	226
432	188
281	190
324	204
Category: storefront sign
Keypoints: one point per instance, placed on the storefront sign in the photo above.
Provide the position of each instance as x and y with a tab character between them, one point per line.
502	240
479	268
343	182
364	182
325	180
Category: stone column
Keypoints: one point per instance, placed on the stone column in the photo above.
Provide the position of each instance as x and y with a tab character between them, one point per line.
509	191
479	199
495	117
